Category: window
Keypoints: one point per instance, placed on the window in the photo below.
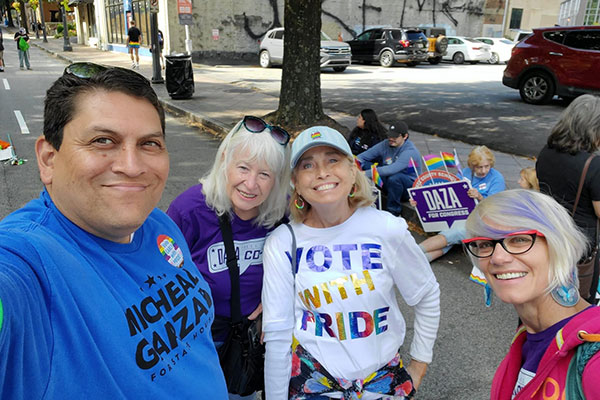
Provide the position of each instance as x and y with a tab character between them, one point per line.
365	36
555	36
585	40
379	35
278	34
396	34
592	13
91	17
515	18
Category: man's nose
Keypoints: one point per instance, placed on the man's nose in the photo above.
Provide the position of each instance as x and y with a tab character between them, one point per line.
129	161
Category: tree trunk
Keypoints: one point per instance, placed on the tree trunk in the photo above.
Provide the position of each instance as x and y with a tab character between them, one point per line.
300	97
9	15
24	17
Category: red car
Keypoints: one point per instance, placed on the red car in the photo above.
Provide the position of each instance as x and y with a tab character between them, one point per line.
562	61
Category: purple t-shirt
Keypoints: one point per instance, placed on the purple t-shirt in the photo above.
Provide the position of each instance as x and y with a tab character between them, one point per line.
200	227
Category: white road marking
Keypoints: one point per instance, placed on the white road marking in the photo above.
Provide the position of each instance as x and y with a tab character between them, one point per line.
6	85
22	124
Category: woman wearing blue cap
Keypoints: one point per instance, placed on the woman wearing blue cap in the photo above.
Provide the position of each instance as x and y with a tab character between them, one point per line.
331	319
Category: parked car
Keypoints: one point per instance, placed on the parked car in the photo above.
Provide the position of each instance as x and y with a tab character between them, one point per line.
561	60
334	54
389	46
520	35
500	48
438	43
461	49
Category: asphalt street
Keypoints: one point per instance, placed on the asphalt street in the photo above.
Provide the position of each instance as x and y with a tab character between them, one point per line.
472	339
459	102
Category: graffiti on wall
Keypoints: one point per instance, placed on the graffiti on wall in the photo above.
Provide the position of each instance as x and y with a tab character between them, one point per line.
276	23
448	8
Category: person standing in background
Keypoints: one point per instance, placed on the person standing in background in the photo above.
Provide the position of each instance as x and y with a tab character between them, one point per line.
22	40
134	37
574	138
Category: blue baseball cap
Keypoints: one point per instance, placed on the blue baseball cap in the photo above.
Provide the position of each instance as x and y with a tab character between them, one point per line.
318	136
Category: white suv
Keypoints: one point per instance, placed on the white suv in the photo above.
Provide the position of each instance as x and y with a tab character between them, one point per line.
334	54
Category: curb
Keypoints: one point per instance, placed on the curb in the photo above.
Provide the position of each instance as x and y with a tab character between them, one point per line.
219	130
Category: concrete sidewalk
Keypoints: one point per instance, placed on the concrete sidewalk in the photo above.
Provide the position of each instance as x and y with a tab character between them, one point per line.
216	105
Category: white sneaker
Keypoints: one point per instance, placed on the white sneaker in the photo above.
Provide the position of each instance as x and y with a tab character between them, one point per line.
133	65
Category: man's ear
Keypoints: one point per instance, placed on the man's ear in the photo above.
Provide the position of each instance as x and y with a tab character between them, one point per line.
45	153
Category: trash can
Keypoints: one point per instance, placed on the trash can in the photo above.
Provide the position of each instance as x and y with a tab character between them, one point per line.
179	76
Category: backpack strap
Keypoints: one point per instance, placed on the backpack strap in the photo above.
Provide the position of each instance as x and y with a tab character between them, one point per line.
585	352
293	253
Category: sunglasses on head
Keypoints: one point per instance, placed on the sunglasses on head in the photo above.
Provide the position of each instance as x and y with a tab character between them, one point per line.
86	70
514	243
257	125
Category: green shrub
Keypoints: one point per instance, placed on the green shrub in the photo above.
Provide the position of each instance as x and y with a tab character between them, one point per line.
59	29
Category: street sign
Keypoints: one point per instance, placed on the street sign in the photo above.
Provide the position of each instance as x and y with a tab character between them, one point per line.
154	6
184	10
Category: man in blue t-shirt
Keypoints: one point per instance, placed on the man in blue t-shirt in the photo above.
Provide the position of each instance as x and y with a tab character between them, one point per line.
399	163
99	296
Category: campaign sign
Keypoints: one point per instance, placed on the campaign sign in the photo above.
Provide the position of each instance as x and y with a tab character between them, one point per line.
443	205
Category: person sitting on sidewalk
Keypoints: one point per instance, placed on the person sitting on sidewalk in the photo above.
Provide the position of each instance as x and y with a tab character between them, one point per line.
528	179
394	164
22	40
367	133
134	37
485	181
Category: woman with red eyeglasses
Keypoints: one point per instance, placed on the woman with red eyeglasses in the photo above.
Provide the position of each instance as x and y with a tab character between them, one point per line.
245	192
528	246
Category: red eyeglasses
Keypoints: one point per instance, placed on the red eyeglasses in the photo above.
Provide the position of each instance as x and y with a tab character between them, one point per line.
514	243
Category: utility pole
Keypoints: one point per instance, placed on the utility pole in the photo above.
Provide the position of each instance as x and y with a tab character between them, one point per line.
43	21
66	43
154	43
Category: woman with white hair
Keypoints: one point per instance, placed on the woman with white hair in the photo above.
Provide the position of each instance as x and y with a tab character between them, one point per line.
528	246
248	184
332	324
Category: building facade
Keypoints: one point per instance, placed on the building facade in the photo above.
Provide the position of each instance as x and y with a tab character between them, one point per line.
579	12
233	28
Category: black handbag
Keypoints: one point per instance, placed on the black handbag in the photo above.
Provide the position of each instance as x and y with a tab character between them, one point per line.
242	355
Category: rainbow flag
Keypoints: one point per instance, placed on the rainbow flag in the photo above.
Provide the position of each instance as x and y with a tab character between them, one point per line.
412	164
315	135
376	177
433	161
457	165
448	159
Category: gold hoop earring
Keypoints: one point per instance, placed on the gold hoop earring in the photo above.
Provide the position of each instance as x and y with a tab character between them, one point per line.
299	205
353	191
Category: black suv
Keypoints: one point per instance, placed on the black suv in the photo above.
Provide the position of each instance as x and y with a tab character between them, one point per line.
390	45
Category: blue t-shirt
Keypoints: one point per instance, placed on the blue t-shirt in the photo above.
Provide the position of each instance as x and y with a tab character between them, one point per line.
490	184
84	317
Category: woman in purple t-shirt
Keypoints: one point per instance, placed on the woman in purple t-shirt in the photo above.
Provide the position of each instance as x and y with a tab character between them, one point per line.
249	182
527	245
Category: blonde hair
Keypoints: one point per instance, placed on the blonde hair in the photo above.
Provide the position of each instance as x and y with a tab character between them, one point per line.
258	147
479	154
528	174
523	209
363	193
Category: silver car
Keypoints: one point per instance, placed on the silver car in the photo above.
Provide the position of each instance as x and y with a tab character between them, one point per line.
334	54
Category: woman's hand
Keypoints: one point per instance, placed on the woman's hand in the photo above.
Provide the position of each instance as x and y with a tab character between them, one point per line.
412	202
255	313
416	370
474	194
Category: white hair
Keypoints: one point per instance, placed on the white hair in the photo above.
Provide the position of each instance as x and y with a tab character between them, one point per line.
521	209
257	147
